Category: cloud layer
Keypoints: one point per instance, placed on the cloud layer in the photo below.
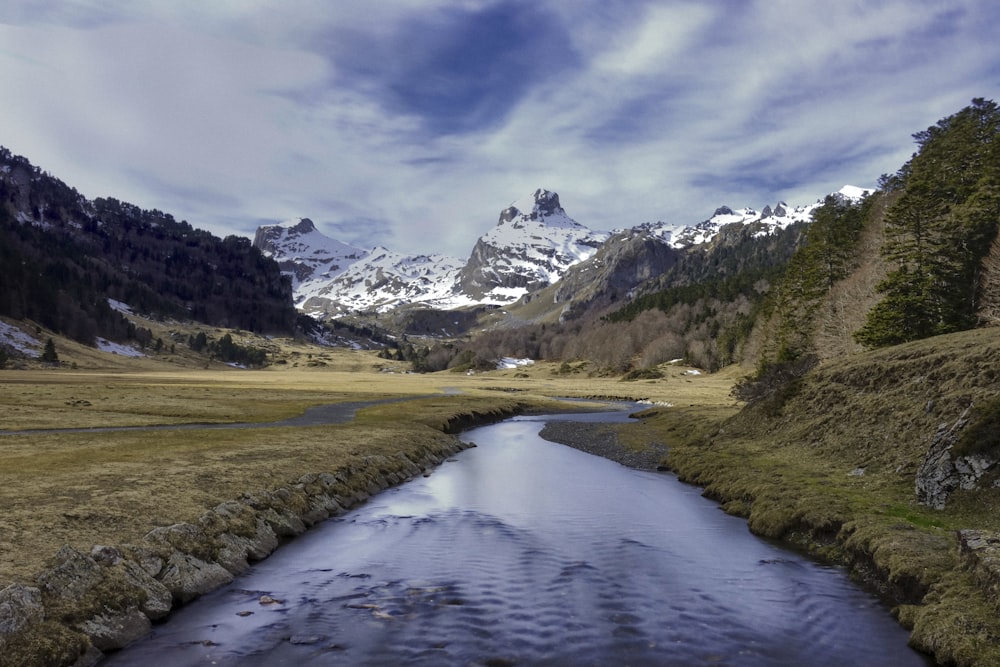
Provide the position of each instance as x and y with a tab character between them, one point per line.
412	123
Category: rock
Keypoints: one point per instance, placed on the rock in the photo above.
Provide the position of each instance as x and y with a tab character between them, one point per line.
90	657
938	475
20	606
184	537
106	556
188	577
156	599
150	562
73	577
113	631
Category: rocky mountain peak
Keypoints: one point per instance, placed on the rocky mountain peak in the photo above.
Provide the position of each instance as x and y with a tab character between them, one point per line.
540	205
304	226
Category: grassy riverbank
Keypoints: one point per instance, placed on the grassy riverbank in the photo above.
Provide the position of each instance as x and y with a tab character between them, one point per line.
828	465
82	489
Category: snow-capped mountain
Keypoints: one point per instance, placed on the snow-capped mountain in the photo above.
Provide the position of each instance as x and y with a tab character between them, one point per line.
382	280
531	247
330	278
303	252
766	220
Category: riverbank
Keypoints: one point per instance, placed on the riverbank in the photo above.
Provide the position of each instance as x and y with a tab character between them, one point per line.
92	600
835	464
603	440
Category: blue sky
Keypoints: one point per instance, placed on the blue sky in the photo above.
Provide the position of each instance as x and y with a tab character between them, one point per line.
413	123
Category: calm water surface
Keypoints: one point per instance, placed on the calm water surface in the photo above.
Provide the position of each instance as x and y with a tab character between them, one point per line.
521	551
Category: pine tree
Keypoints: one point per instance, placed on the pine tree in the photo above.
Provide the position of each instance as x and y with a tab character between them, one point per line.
940	230
49	354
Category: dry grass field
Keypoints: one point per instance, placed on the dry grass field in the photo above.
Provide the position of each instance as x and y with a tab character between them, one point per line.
81	488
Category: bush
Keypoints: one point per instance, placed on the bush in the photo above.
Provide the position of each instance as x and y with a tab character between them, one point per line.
774	380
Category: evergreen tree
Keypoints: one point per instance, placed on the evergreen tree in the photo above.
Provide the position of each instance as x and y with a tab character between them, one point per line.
49	354
824	258
940	229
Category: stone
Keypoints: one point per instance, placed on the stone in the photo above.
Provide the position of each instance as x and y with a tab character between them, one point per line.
74	575
20	606
940	474
106	556
234	553
150	562
188	577
157	601
113	631
980	553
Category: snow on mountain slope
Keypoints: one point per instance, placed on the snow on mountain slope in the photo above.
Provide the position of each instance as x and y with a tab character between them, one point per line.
379	281
768	220
531	247
330	278
303	252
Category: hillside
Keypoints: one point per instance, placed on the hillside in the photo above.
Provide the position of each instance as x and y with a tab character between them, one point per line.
885	461
66	260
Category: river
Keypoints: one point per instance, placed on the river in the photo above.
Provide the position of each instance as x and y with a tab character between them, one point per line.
522	551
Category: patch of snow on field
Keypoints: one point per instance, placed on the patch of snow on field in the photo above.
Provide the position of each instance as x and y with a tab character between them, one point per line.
15	339
510	362
116	348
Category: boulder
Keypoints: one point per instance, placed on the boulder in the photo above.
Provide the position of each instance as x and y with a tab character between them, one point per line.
73	577
112	631
188	577
20	606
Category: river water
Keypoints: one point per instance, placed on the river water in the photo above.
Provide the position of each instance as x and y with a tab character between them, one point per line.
521	551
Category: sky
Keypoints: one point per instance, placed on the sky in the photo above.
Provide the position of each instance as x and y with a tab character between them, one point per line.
413	123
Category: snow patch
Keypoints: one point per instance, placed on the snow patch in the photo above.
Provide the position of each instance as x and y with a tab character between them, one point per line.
122	308
510	362
105	345
15	339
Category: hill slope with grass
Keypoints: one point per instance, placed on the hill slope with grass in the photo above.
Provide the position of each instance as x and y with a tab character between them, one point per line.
885	461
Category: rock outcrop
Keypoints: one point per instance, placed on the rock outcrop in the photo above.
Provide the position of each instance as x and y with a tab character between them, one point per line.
941	473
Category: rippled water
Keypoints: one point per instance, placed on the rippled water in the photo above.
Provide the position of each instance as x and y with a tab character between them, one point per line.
522	551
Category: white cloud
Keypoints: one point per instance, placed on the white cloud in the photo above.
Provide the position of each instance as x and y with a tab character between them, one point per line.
229	113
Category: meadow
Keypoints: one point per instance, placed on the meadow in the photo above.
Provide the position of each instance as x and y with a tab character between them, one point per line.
61	486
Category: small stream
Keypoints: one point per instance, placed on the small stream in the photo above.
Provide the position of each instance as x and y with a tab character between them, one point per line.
522	551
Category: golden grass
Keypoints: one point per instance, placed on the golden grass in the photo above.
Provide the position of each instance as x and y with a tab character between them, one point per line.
111	487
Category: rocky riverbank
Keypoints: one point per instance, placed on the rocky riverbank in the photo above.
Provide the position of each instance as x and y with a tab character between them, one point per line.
602	440
90	603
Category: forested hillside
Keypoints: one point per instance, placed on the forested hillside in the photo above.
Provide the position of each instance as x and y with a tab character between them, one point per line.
63	257
917	259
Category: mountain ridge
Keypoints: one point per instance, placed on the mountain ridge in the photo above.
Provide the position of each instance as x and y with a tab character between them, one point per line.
532	247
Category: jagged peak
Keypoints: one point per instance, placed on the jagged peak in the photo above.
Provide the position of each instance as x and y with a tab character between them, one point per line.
300	225
539	206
